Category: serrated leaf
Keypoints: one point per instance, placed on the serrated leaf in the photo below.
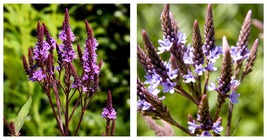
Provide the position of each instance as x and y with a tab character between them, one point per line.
22	116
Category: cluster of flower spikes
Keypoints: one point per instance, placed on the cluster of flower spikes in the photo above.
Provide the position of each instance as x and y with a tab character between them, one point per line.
188	62
40	66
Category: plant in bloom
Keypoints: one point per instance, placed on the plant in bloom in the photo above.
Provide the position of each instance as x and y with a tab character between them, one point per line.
62	78
186	73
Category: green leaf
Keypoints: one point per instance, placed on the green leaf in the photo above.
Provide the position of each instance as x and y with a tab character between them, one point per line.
22	116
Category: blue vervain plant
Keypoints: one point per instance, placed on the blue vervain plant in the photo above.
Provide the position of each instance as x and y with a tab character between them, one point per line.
188	70
62	78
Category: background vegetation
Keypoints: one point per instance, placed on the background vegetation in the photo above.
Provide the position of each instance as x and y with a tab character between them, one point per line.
111	26
228	20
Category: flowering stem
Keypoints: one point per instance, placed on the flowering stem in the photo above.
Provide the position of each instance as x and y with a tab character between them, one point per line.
80	120
229	120
67	115
185	94
171	121
59	124
206	82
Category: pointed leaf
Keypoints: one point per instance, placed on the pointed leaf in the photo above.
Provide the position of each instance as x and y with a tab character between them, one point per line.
22	116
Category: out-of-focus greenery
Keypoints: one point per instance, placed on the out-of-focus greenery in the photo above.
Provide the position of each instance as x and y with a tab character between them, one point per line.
111	27
228	20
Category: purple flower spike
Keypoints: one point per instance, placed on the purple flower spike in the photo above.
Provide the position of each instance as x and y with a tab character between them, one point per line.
67	36
168	86
189	77
89	55
233	97
109	112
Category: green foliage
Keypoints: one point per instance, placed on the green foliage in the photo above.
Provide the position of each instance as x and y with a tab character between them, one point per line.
111	27
228	19
24	111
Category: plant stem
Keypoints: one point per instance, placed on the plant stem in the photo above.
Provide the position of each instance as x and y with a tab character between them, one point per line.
60	126
229	120
80	120
67	115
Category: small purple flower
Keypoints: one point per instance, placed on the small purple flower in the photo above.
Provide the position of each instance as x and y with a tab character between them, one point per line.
211	87
205	133
217	127
153	80
199	69
109	113
143	105
165	45
234	83
38	76
210	67
192	126
153	91
181	38
214	54
189	77
233	97
235	53
171	73
168	86
188	56
84	89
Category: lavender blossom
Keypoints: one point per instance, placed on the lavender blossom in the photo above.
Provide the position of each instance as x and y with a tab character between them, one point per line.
189	77
217	126
168	86
211	87
210	67
233	97
181	38
37	76
165	45
171	73
199	69
153	80
143	105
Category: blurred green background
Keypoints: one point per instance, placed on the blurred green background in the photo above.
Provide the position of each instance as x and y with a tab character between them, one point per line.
111	27
228	20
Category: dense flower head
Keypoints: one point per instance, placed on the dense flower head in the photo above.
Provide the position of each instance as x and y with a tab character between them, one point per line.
37	76
89	57
41	51
109	113
238	54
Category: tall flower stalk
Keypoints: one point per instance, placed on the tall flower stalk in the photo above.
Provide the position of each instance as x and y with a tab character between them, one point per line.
188	70
57	75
